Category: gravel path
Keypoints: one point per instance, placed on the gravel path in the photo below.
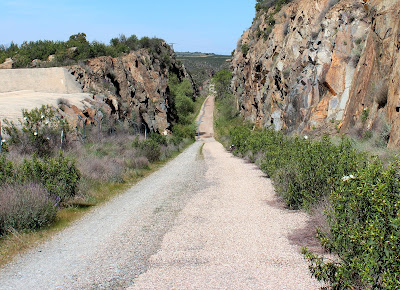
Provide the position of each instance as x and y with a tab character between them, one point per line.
110	246
198	223
228	236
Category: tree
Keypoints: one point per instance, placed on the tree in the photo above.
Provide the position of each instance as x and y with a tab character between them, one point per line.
222	81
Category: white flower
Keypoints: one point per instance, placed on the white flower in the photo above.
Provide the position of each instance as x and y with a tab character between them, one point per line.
42	116
48	138
347	178
35	133
305	137
25	118
47	122
3	141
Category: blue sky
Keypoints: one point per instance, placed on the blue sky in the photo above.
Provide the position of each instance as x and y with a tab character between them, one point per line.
206	26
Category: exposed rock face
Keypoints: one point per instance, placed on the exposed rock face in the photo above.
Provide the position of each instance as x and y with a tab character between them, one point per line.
7	64
323	66
135	86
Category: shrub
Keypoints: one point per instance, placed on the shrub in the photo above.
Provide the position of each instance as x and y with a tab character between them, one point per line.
58	175
149	148
364	222
39	131
222	82
102	169
25	207
6	170
302	171
364	115
245	49
184	132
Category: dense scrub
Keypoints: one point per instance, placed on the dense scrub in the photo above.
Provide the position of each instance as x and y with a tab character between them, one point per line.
362	197
77	48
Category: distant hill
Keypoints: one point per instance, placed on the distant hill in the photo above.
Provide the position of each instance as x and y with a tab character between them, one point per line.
202	66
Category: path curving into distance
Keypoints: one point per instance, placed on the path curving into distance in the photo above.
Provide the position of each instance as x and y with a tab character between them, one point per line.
197	223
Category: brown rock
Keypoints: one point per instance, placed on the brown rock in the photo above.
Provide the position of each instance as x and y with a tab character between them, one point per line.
7	64
322	62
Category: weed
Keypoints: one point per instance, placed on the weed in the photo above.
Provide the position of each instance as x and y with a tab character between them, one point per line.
364	115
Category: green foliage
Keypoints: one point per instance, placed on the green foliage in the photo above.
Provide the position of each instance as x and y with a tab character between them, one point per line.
267	4
183	99
150	148
59	175
303	172
184	132
364	231
38	132
6	170
75	49
201	66
245	49
222	82
364	203
364	115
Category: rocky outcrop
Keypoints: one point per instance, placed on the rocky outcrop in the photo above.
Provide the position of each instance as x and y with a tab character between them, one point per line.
323	66
134	86
7	64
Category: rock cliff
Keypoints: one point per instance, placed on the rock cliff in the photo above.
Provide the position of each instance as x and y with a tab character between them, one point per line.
322	66
134	86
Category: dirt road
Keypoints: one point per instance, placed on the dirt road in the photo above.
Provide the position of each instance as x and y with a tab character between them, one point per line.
228	236
204	221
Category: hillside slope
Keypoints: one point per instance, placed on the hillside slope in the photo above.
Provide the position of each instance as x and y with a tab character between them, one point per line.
322	66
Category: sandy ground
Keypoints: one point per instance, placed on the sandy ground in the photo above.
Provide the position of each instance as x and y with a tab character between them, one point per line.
228	236
32	88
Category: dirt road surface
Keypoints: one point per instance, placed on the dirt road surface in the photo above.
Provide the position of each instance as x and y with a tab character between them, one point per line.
204	221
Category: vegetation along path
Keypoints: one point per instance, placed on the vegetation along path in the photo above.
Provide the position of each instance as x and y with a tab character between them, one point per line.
197	223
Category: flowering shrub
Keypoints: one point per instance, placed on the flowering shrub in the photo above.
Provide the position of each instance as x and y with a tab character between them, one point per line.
364	221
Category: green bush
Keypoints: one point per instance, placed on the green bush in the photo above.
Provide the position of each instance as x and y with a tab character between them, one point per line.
222	82
58	175
302	171
364	203
245	49
364	231
38	132
184	132
6	170
149	148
